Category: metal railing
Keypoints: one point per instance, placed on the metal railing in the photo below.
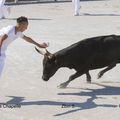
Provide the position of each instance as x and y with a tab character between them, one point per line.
25	1
19	2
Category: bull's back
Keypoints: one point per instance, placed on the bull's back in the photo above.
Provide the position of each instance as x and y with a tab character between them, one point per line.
99	51
81	51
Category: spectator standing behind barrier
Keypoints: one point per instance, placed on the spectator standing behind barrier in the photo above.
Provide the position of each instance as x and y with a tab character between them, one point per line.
76	7
3	9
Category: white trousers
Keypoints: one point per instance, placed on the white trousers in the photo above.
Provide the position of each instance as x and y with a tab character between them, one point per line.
4	10
2	62
2	2
76	6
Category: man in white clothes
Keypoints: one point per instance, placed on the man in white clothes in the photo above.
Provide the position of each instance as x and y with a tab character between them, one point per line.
10	33
3	9
76	7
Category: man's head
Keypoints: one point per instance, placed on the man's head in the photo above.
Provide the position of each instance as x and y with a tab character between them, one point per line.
22	23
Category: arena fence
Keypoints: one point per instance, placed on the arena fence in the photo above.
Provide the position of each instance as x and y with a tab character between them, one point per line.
31	1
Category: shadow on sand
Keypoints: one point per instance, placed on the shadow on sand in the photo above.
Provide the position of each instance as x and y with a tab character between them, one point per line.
98	14
36	19
92	95
95	0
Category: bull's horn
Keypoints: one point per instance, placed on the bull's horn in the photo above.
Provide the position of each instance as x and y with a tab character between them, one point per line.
47	52
39	51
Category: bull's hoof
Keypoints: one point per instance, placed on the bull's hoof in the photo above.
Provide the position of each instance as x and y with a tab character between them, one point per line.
89	81
63	85
99	75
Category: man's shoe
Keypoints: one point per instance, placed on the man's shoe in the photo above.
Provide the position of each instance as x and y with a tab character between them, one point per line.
77	14
3	17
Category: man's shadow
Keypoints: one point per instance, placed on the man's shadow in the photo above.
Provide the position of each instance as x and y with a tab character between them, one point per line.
99	14
92	95
32	19
92	0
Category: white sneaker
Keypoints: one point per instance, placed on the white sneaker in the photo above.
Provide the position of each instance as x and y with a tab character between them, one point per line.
77	14
3	17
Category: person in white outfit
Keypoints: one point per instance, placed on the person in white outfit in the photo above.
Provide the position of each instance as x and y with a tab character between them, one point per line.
76	7
10	33
4	9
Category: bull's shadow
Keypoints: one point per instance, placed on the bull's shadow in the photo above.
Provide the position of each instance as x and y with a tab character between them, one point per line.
93	93
106	90
88	104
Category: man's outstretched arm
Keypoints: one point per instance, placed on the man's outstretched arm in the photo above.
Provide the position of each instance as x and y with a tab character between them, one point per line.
30	40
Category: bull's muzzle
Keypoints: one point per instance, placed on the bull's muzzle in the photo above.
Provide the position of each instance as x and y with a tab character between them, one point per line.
45	78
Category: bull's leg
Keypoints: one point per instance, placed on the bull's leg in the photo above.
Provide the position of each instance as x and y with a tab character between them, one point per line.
71	78
101	73
88	77
84	70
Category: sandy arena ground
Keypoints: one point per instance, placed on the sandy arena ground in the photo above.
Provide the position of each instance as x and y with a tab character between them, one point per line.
21	83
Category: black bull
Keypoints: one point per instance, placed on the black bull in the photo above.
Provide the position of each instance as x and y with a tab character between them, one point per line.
85	55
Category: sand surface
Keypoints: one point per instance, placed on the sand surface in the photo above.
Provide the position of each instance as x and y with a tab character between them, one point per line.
21	83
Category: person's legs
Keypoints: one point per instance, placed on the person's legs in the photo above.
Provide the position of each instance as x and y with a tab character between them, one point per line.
2	10
8	9
2	2
2	7
73	1
76	7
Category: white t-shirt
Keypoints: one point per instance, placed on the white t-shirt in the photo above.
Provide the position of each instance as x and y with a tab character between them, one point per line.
10	32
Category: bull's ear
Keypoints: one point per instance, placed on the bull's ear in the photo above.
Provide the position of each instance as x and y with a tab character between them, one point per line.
49	55
52	58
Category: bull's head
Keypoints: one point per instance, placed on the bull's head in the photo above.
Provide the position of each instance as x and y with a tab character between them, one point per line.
49	64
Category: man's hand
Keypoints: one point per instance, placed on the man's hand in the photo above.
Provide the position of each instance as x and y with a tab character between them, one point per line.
43	45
